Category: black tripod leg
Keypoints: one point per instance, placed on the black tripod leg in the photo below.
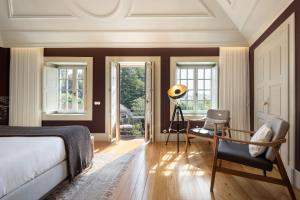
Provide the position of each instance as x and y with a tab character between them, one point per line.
171	124
178	127
182	120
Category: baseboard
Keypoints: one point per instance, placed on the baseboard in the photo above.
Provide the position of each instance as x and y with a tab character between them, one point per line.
100	137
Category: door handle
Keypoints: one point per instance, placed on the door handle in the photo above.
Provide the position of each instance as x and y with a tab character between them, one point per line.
266	103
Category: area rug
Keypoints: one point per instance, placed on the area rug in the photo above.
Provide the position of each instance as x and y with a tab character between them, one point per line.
98	182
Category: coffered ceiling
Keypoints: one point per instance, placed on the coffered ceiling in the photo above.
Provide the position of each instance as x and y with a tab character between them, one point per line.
134	23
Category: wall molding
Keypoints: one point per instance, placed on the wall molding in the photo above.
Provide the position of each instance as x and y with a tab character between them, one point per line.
12	15
86	11
209	13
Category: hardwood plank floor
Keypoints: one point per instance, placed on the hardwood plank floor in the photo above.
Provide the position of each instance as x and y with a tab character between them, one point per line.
159	172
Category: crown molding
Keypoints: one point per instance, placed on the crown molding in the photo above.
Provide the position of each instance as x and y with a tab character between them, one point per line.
123	39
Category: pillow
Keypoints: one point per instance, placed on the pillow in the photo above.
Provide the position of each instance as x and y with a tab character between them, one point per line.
210	124
263	134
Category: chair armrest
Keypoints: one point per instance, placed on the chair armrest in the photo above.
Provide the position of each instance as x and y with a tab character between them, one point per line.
266	144
238	130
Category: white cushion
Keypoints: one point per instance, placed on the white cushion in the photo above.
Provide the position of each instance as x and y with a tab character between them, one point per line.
263	134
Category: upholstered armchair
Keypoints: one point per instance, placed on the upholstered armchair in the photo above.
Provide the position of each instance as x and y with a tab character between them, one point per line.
237	151
205	129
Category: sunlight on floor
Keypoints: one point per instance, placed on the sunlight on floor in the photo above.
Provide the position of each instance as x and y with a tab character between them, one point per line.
169	165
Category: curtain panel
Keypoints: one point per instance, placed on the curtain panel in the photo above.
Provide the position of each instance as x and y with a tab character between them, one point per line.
234	86
25	86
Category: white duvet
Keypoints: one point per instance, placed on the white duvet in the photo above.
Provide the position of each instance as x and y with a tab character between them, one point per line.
24	158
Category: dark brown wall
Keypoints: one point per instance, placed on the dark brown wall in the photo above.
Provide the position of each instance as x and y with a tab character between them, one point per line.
4	84
98	123
294	7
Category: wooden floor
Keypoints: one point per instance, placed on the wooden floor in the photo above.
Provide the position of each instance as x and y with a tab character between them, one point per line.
159	172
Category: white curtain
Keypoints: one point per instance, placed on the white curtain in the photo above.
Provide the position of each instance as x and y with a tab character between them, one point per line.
234	86
25	86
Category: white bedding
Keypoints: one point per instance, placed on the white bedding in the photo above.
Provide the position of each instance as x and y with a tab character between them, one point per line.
24	158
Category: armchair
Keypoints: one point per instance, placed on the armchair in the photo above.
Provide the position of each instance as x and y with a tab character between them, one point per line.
215	120
237	151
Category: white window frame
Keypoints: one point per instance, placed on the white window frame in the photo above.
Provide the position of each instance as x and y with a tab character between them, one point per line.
173	79
195	80
87	115
74	88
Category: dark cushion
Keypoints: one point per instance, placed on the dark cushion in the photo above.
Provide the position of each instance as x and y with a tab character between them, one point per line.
202	132
239	153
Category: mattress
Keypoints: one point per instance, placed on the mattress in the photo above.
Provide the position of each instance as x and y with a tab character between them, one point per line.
24	158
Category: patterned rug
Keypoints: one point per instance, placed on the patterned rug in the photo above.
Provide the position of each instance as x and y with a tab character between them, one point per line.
98	182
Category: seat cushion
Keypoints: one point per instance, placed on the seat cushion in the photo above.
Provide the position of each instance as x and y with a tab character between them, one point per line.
202	132
239	153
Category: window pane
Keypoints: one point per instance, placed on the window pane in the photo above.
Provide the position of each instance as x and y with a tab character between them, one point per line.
80	100
63	100
183	73
200	73
200	84
70	99
190	84
63	84
200	95
62	73
207	84
187	105
200	105
184	82
208	95
190	73
207	105
207	73
69	85
190	95
70	73
79	84
79	73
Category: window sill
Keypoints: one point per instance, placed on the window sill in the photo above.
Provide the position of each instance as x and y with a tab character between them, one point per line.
67	116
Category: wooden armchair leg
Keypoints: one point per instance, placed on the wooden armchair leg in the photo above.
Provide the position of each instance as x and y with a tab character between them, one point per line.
284	176
214	168
187	141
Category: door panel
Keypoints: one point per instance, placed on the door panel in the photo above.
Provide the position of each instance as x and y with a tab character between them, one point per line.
149	106
114	102
271	85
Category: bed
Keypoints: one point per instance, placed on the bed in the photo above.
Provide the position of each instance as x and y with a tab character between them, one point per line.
35	160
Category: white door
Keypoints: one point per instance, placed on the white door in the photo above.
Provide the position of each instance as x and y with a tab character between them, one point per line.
271	80
149	102
114	102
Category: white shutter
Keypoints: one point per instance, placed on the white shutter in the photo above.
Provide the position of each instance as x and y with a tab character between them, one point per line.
50	89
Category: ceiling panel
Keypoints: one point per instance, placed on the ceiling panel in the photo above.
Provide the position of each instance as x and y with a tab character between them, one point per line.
252	17
37	9
169	8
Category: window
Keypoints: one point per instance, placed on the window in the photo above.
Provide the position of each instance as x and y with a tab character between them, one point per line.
201	80
68	88
71	90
